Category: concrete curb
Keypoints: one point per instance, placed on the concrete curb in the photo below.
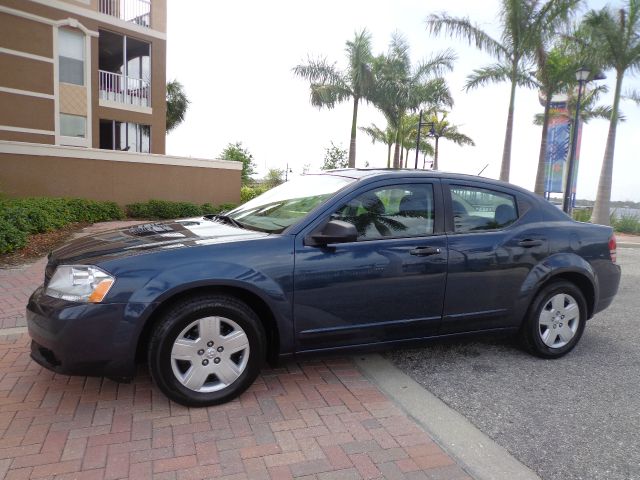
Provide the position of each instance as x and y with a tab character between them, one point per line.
628	245
12	331
478	454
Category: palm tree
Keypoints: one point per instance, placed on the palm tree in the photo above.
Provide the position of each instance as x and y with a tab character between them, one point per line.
442	128
177	104
401	88
386	136
634	95
409	139
330	86
616	34
524	23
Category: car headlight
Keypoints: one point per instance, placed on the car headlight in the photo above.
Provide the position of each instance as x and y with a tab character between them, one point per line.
79	283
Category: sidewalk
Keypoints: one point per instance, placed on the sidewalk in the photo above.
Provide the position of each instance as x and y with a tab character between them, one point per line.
314	420
624	240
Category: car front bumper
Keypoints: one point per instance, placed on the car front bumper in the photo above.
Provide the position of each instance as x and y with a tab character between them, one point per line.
83	339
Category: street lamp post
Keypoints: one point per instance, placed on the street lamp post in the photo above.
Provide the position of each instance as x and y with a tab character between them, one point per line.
582	75
431	133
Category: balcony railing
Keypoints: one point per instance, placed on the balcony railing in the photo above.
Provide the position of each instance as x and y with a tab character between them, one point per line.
118	88
134	11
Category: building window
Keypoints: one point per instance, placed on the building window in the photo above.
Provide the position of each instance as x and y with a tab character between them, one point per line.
125	136
71	46
73	126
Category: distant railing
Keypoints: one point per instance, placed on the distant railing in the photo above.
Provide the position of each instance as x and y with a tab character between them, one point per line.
116	87
135	11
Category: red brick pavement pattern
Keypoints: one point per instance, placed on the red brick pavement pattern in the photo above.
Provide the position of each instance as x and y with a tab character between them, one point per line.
17	284
319	420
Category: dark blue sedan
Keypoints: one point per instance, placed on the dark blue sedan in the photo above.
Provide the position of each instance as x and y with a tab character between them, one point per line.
342	260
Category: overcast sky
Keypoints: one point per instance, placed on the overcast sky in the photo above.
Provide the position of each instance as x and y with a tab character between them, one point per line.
235	59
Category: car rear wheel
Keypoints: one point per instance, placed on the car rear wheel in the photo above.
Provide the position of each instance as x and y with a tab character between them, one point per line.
206	350
555	321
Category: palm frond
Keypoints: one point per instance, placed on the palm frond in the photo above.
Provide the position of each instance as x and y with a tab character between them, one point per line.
481	77
319	71
328	95
634	96
463	28
458	138
437	65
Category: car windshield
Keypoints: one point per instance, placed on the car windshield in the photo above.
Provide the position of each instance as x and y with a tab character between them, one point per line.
284	205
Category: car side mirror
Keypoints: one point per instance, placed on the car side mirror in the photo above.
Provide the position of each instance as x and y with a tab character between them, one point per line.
334	231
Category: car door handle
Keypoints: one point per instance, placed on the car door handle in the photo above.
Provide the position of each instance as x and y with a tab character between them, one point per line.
424	251
528	243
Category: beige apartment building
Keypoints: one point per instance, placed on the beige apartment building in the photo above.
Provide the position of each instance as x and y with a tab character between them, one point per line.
83	95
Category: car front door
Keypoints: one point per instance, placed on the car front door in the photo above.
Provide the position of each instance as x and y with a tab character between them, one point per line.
495	238
388	284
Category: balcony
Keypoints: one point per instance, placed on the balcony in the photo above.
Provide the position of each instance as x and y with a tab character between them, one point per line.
118	88
134	11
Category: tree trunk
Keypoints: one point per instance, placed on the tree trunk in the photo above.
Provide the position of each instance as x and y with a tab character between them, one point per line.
435	155
603	198
389	155
542	164
401	157
506	152
396	151
354	128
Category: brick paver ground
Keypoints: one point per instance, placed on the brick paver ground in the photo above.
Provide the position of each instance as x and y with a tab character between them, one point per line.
312	420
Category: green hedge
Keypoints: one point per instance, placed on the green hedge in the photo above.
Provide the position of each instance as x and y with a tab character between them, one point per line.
249	192
162	209
24	216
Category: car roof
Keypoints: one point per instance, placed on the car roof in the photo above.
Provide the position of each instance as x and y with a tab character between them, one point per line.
362	173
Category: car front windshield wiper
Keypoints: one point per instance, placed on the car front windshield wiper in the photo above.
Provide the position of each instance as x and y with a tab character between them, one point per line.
225	218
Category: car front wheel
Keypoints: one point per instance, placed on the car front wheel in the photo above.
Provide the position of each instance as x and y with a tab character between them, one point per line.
206	350
555	321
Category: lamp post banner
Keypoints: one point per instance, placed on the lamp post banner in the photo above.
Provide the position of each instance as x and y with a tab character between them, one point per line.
558	147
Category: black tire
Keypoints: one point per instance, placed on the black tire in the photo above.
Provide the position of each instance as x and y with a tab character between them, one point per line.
179	317
532	331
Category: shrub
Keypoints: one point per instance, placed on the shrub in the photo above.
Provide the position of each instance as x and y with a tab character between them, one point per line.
23	216
163	209
626	223
582	214
11	238
249	192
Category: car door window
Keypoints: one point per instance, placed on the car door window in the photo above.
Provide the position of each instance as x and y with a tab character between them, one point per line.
390	212
478	209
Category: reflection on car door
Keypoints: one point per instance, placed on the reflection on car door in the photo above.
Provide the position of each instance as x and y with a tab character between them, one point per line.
388	285
494	241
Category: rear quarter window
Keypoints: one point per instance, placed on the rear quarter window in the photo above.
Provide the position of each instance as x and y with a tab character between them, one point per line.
478	209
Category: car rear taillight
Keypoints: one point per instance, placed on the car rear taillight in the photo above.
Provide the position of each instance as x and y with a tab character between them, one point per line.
613	248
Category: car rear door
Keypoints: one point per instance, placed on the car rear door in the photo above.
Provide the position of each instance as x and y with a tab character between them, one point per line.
386	286
495	238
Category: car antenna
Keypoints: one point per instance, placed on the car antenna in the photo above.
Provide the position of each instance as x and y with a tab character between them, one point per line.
480	172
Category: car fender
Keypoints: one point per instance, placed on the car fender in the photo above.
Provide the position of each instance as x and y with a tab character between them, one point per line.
552	266
179	279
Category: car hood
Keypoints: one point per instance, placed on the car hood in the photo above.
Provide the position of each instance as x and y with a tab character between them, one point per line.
148	237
